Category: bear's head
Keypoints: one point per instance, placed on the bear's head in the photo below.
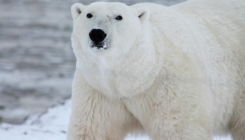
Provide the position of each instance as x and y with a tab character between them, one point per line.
106	29
113	45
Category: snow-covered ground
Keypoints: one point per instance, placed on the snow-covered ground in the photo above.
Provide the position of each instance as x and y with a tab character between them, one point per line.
50	125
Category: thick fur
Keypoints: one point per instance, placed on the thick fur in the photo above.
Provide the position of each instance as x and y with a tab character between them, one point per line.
174	73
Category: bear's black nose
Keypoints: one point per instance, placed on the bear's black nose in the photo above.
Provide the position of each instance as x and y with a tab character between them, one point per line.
97	35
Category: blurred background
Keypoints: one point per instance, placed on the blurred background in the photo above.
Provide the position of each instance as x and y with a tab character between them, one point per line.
36	58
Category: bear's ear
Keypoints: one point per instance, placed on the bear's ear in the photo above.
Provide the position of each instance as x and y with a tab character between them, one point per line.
143	13
76	10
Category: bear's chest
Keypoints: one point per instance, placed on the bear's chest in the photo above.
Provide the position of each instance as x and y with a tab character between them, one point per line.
116	82
103	79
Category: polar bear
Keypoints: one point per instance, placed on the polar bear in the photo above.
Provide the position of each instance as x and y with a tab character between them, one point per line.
173	73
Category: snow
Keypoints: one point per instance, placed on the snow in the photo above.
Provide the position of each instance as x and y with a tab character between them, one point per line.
50	125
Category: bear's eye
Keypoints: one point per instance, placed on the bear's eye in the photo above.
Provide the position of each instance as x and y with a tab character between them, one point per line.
119	17
89	15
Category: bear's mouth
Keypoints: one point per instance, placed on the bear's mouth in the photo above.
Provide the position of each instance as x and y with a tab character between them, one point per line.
99	46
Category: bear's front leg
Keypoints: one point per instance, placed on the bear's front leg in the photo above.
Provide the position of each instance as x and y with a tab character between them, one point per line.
96	117
180	117
168	115
178	127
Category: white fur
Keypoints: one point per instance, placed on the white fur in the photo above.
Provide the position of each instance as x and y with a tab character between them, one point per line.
174	73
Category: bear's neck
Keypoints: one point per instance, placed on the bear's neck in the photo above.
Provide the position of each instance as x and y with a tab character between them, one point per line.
139	68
